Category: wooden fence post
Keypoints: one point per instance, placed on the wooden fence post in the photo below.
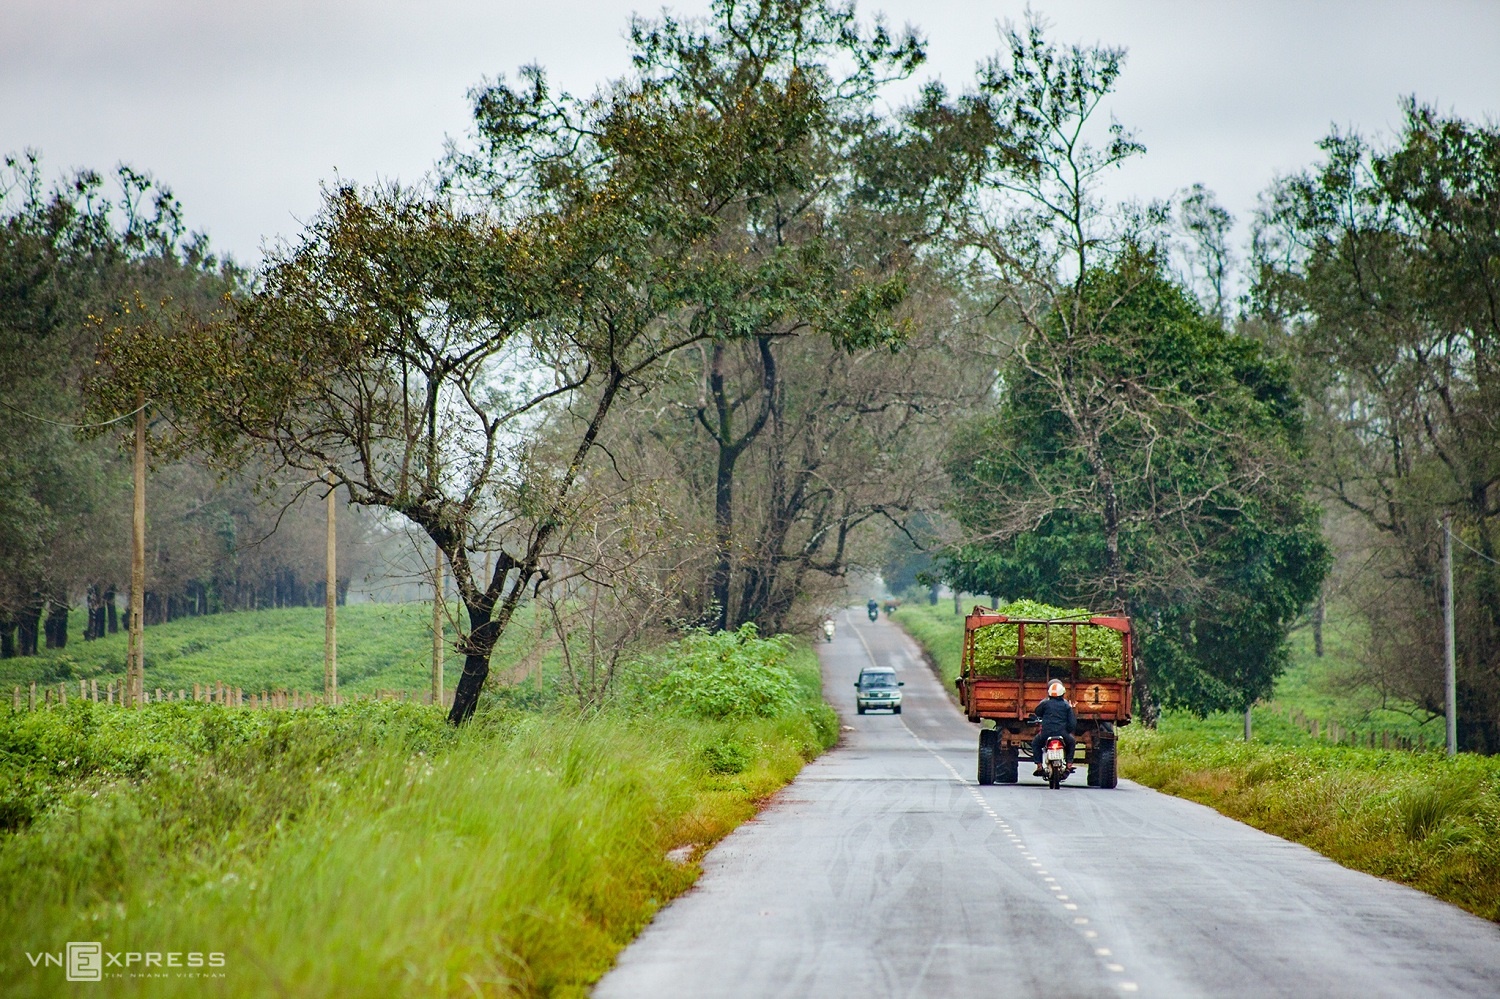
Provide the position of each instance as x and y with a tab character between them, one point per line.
31	699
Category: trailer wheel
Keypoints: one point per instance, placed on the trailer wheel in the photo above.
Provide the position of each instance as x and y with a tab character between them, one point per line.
1008	769
1093	766
1105	751
987	756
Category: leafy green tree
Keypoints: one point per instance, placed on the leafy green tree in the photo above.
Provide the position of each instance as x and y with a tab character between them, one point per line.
1140	459
1381	267
1160	479
77	248
746	122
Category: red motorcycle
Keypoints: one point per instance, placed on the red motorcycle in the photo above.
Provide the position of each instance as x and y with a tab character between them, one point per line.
1055	761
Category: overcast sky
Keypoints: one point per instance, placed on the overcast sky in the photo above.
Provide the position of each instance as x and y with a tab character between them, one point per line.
244	108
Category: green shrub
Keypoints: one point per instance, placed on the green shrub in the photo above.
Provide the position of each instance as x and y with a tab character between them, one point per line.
727	757
728	674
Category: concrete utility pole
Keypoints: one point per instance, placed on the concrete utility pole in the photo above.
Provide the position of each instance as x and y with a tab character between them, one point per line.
135	656
1247	723
1450	670
330	605
438	697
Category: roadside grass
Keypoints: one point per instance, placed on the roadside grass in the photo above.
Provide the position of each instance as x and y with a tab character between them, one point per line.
370	849
939	631
1417	818
380	647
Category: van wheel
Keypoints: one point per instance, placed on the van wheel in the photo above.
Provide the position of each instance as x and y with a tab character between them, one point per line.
1105	751
860	708
896	710
1008	769
987	756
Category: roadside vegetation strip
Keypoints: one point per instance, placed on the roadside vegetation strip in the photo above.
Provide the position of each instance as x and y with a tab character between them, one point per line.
1418	818
939	632
371	849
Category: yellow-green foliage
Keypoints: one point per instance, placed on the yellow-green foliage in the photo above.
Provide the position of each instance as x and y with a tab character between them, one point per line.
1418	818
996	645
369	849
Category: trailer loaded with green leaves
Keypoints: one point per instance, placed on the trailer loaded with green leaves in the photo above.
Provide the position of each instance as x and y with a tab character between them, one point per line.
1011	654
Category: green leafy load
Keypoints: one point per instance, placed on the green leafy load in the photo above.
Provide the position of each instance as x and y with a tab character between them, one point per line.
995	645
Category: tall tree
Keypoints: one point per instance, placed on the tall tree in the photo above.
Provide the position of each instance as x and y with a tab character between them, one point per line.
1382	267
1150	467
1137	451
415	344
80	247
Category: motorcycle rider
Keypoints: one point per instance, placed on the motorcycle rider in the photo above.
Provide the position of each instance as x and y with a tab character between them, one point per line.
1057	718
873	607
828	628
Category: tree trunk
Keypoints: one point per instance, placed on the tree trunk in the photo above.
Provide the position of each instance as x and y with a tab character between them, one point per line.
730	449
29	624
477	646
57	624
1319	613
7	639
723	568
111	611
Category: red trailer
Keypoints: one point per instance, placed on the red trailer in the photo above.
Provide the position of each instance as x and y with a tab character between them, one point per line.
1004	688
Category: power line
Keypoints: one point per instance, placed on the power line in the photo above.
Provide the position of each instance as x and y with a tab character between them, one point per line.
1471	548
81	426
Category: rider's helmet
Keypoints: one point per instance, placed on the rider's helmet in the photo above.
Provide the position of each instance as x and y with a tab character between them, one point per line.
1056	689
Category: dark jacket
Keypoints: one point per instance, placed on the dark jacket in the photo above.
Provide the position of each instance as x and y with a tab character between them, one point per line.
1056	716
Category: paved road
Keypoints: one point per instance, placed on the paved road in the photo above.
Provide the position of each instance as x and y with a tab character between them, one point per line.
884	870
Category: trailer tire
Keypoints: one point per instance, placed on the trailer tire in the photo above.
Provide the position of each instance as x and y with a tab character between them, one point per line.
1105	752
987	756
1093	766
1008	769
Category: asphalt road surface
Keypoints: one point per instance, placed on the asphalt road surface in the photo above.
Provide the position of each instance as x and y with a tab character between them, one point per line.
885	870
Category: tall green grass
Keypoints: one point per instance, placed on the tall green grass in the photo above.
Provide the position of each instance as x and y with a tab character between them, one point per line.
371	850
1418	818
380	647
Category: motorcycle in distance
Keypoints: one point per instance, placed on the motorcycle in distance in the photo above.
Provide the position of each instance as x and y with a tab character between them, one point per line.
874	609
828	628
